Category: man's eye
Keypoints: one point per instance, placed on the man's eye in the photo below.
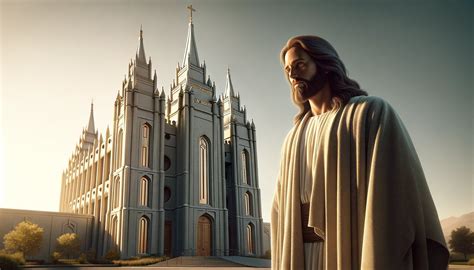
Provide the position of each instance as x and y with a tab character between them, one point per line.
301	65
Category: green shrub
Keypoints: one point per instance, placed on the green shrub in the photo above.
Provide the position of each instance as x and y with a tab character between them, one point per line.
68	245
8	263
26	238
471	261
83	258
55	257
111	255
100	261
18	257
91	255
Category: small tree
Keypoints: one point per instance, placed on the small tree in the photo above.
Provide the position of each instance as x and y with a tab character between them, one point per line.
68	245
26	238
462	241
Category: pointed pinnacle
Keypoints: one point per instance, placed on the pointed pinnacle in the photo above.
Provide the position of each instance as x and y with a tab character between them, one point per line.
229	88
140	55
190	52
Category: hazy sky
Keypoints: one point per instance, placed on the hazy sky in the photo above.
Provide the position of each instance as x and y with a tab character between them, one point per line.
58	55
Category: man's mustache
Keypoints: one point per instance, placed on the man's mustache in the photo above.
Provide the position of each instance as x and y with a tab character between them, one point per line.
299	80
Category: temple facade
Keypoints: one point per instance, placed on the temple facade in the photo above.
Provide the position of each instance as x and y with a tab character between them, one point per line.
176	174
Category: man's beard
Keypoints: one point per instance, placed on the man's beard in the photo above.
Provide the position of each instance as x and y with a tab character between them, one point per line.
309	88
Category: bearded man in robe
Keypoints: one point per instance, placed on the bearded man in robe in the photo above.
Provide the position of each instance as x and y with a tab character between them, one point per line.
351	193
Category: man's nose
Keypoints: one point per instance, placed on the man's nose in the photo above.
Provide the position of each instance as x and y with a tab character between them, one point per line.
292	73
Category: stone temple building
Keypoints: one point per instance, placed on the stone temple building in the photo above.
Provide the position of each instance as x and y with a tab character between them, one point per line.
176	174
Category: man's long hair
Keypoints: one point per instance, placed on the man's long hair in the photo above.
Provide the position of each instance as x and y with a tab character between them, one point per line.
327	60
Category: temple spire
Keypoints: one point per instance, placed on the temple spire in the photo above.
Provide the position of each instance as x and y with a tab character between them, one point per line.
90	125
190	53
141	50
229	88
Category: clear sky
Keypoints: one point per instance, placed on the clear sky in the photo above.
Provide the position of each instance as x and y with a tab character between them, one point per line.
58	55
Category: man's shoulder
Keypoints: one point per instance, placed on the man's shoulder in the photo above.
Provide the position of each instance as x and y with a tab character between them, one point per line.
371	108
369	104
367	100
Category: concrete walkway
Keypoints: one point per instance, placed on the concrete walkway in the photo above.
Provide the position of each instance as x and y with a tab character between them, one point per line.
461	267
222	261
249	261
196	261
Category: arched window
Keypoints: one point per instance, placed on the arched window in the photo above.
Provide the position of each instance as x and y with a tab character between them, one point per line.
145	145
143	225
245	167
116	193
114	231
250	242
203	171
144	189
248	204
118	159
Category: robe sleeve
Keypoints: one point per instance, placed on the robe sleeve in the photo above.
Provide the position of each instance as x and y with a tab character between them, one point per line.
402	229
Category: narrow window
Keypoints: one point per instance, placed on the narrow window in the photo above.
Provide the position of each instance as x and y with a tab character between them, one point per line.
250	245
144	182
145	145
248	204
245	164
118	159
144	156
107	166
114	231
142	236
203	170
116	193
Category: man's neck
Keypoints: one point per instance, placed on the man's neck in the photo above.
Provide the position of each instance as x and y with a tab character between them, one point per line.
322	101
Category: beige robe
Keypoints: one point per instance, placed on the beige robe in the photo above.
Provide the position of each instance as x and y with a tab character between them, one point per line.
369	200
313	252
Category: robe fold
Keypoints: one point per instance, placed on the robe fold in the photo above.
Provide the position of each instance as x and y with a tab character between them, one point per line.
369	200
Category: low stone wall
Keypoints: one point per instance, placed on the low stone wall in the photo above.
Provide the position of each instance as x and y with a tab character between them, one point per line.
54	224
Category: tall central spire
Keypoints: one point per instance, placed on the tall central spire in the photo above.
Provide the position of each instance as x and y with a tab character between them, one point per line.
90	125
141	50
190	53
229	88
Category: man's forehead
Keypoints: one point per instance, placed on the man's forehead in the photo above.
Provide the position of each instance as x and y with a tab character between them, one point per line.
295	53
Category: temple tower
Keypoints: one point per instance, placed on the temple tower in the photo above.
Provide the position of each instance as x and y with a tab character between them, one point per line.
200	210
243	193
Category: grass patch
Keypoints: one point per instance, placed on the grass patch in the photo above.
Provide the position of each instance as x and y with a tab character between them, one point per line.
68	261
471	262
458	263
8	263
458	258
139	261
